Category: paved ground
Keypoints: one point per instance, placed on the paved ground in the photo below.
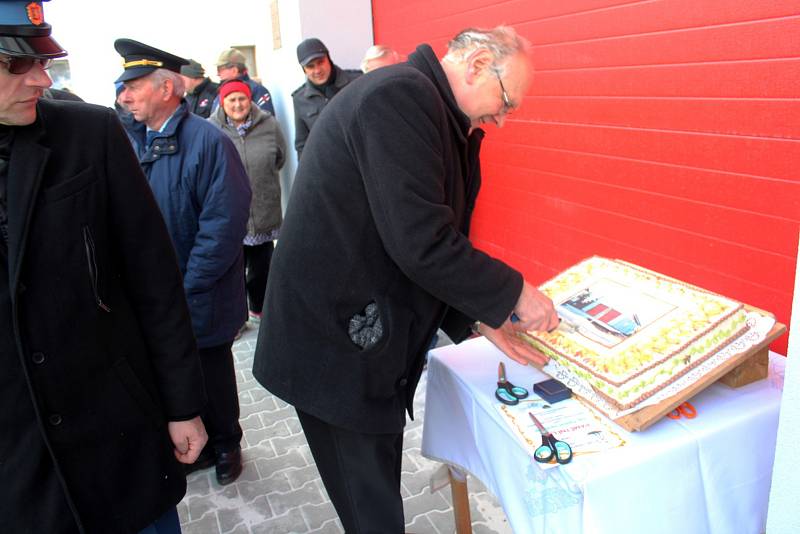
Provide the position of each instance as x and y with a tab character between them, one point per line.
280	490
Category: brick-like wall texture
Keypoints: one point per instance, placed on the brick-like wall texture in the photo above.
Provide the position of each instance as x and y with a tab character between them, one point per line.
662	132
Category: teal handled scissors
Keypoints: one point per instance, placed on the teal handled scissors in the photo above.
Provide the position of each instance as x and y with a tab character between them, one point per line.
551	448
506	392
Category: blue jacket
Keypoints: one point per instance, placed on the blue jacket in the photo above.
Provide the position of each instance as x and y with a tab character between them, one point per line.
203	191
260	95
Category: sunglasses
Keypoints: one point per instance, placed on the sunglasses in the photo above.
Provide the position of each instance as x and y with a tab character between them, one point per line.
23	64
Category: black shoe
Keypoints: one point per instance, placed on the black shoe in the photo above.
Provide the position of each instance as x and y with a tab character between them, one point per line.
229	466
204	461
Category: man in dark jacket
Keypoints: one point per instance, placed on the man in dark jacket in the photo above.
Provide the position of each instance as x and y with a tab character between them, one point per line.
204	195
200	90
100	384
374	257
323	81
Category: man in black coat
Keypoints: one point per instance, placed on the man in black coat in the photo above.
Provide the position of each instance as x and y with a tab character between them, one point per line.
374	257
324	80
200	90
100	383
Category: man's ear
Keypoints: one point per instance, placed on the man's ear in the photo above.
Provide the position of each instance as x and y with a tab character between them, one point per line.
166	89
478	64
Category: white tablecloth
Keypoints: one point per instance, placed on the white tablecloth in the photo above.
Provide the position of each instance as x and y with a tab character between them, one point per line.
706	475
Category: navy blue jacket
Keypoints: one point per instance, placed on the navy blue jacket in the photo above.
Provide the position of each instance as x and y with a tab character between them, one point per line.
203	191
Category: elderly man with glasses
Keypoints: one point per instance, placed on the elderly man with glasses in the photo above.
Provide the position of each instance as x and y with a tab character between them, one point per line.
374	256
100	382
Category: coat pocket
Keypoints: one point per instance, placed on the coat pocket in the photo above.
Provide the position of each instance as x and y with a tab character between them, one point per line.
94	275
137	391
69	187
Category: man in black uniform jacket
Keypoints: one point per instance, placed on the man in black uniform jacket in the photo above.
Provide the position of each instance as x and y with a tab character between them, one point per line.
100	383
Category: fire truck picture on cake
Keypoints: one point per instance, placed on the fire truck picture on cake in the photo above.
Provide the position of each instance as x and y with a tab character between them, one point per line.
609	313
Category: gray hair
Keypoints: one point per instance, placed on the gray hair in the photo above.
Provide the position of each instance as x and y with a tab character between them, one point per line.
502	41
375	52
159	76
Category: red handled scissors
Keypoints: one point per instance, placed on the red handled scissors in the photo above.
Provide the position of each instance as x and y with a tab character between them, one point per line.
684	410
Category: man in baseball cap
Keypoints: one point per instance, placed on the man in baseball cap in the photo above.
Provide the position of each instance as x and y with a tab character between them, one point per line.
100	381
323	81
200	90
231	65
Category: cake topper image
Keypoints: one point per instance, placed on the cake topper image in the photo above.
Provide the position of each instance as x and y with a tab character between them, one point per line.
608	313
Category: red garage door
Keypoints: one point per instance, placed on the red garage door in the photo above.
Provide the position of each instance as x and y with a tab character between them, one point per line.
665	133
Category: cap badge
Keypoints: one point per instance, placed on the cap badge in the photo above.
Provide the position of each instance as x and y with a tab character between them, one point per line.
142	63
35	13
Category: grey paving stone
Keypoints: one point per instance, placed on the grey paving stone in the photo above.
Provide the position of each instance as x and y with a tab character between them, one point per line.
291	442
291	522
423	502
294	499
420	525
247	515
442	521
277	483
299	477
417	482
318	515
259	436
251	422
199	483
183	512
268	466
262	450
205	525
276	414
331	527
200	506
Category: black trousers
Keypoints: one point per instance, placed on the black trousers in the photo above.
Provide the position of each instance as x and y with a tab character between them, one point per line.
361	473
256	260
221	414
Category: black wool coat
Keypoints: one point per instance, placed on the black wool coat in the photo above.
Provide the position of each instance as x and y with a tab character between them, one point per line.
96	344
378	214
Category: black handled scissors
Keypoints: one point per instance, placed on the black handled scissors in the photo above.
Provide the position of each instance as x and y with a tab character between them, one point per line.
506	392
551	447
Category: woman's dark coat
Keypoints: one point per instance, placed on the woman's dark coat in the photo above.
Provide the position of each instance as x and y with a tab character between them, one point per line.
378	213
96	344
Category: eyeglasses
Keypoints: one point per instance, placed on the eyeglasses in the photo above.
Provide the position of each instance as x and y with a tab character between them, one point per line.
507	105
23	64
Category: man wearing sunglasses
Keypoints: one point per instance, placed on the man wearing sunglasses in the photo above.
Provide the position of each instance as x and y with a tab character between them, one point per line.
100	381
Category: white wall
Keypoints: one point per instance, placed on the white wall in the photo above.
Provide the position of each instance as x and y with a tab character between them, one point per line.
783	517
201	30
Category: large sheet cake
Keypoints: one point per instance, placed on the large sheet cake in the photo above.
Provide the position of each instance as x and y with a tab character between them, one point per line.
629	332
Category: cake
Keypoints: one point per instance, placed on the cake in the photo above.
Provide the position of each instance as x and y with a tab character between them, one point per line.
629	332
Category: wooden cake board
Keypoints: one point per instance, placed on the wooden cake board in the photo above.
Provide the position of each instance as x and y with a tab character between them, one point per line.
743	368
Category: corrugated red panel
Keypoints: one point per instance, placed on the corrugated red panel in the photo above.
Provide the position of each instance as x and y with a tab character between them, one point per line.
662	133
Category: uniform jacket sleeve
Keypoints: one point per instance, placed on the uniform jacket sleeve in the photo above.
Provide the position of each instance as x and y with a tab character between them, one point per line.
224	203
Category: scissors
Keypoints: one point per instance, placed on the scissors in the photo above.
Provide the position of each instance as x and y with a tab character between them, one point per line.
506	392
551	448
684	410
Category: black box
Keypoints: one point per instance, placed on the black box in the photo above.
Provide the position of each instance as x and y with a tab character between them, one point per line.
552	390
